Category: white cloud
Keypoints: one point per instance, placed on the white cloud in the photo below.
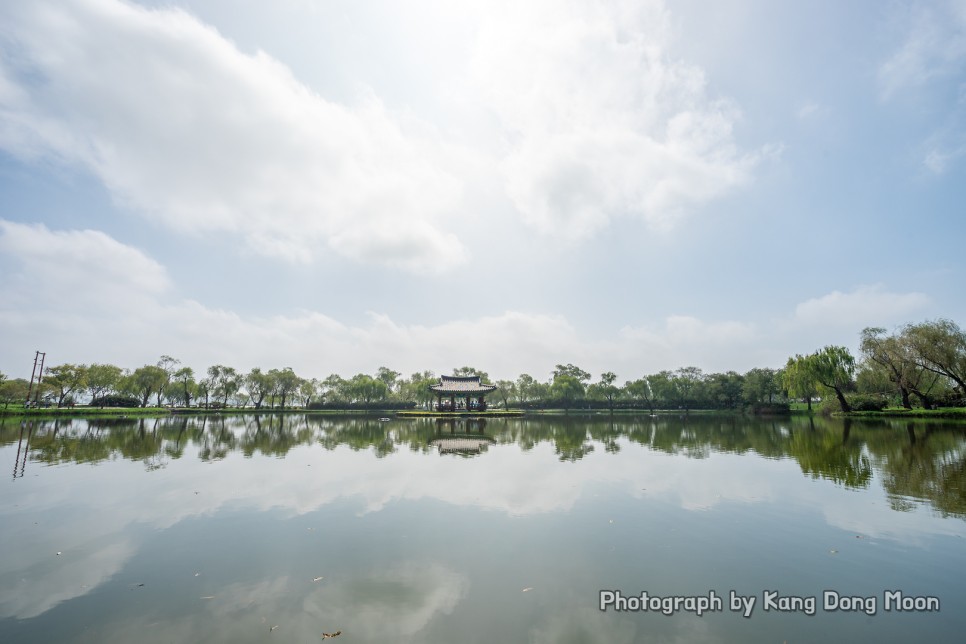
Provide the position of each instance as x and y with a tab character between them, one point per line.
68	290
865	306
79	263
600	121
933	46
183	127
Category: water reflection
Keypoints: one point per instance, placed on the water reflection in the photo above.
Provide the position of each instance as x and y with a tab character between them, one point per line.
236	524
923	461
461	437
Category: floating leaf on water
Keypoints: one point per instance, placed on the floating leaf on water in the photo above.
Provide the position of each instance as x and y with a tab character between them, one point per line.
328	635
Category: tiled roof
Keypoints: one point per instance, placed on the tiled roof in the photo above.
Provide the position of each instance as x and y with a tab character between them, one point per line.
461	385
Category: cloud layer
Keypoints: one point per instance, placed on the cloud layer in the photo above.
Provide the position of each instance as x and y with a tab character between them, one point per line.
72	303
184	128
595	119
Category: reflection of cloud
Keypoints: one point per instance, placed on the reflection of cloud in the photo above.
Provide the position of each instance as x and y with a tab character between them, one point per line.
44	579
389	605
586	625
309	478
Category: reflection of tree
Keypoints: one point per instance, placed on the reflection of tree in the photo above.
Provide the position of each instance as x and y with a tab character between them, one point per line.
930	465
830	456
918	462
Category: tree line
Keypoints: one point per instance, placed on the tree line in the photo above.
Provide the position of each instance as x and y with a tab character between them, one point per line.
922	364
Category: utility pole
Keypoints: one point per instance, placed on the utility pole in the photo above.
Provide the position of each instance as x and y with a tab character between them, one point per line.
38	356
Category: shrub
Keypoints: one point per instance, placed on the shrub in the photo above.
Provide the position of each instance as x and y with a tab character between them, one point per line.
867	402
115	400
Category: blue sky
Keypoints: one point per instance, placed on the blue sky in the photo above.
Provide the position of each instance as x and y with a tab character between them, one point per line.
336	186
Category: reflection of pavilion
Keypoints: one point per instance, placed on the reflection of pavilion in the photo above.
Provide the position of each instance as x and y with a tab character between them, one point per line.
468	441
464	393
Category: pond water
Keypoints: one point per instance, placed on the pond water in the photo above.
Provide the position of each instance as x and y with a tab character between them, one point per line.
282	528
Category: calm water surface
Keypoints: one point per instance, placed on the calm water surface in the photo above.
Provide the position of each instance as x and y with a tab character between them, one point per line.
279	529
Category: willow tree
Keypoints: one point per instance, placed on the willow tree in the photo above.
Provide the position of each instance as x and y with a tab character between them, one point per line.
799	380
834	368
940	347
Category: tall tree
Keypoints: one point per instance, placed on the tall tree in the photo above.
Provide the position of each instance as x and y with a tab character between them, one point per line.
366	389
687	381
65	379
258	385
308	390
505	389
640	389
185	377
566	389
799	379
760	385
570	370
146	381
472	371
525	388
13	391
725	389
286	383
169	365
225	382
606	389
939	346
389	377
834	368
102	379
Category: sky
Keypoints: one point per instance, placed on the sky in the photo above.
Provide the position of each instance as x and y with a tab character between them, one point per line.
336	186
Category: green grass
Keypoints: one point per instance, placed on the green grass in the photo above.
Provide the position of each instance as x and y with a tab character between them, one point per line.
899	412
17	410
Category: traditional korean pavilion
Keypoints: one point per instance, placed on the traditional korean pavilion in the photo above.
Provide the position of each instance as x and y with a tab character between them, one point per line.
460	393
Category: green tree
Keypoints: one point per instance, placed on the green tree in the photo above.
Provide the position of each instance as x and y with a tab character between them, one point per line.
687	382
834	368
388	377
799	379
566	389
308	390
471	371
102	379
258	385
505	389
605	389
939	346
225	382
366	389
169	366
760	385
286	381
334	388
570	370
185	377
65	379
146	381
725	389
664	387
525	388
13	391
640	390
